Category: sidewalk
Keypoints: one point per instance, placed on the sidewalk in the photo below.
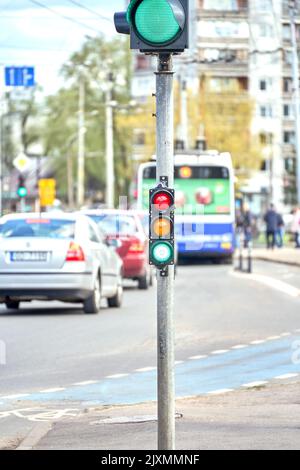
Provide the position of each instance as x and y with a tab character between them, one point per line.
263	418
290	256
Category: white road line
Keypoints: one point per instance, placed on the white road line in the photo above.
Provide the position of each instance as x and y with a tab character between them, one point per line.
286	376
87	382
285	334
269	282
116	376
145	369
260	341
220	351
297	331
178	362
240	346
221	391
195	358
15	397
53	390
272	338
254	384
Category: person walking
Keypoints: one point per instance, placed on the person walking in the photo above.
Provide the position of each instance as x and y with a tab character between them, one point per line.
280	231
247	225
271	219
296	227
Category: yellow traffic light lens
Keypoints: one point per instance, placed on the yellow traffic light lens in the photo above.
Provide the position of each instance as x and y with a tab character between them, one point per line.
185	172
162	227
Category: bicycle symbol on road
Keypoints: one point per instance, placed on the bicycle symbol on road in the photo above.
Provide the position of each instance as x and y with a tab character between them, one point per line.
40	415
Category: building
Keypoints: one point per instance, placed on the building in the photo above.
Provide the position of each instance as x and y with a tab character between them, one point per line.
246	45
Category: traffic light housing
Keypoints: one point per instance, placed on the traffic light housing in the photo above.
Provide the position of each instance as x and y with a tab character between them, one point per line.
21	190
156	26
161	226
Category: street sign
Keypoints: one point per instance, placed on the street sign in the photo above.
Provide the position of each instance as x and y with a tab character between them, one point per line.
47	192
22	162
20	77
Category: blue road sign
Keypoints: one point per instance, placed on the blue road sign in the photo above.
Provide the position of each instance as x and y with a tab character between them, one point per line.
20	76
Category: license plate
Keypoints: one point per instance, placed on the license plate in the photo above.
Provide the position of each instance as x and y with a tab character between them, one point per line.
28	256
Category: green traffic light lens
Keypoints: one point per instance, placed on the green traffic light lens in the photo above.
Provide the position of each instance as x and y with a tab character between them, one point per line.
22	192
162	252
155	22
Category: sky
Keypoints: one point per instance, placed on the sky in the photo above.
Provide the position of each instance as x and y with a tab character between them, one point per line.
31	35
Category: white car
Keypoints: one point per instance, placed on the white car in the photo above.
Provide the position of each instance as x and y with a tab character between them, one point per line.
61	257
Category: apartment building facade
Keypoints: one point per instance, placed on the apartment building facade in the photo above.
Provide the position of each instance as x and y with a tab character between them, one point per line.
245	44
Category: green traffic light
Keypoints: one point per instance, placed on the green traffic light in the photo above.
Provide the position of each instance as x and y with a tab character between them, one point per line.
162	253
155	21
22	192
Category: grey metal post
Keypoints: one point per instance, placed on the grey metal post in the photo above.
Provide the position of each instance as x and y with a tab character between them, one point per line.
296	92
165	285
81	143
110	170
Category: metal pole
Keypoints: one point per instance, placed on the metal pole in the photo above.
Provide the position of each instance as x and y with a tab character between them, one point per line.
165	285
184	113
110	170
81	143
296	92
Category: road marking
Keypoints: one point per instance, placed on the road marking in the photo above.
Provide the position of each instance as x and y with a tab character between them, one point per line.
145	369
254	384
87	382
178	362
297	331
269	282
240	346
285	334
116	376
221	391
286	376
220	351
53	390
15	397
271	338
260	341
195	358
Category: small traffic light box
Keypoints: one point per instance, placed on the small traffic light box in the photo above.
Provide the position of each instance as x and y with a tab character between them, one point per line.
161	226
47	192
156	26
22	191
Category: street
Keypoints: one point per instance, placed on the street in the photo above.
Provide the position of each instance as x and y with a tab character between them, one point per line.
231	332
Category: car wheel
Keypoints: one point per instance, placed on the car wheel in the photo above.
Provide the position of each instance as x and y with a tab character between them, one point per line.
144	281
116	300
93	303
12	305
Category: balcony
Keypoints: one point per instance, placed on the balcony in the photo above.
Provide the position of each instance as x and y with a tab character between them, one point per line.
222	9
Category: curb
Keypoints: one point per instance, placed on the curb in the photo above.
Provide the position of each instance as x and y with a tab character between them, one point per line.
34	436
277	261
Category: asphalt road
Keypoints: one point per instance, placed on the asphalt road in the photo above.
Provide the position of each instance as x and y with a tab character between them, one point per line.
232	331
55	345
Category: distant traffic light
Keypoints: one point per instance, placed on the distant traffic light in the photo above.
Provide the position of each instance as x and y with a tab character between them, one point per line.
161	224
22	191
156	25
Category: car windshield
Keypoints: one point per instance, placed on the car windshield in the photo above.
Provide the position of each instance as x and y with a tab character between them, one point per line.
116	224
38	228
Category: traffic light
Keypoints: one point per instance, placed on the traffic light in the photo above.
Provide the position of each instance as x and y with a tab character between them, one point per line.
21	190
161	226
158	26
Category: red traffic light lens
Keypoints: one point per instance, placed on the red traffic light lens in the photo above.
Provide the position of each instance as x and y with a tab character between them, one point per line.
162	201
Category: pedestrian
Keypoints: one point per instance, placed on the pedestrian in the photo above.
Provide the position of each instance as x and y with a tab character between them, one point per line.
296	227
280	231
271	219
247	225
239	228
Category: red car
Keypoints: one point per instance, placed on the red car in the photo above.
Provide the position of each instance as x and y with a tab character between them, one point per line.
126	227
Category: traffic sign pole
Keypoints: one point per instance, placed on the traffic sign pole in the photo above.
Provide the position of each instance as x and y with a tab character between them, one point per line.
165	284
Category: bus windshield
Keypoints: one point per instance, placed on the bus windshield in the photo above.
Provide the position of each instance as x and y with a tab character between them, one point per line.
197	187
